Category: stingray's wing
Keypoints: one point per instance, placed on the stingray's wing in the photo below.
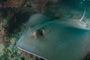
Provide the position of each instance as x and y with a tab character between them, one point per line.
64	41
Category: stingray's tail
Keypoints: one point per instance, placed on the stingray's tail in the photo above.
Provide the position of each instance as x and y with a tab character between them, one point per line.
83	15
81	20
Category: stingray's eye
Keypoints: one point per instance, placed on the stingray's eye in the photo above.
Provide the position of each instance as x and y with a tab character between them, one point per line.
39	33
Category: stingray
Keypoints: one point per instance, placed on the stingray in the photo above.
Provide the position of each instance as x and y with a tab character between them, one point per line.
61	39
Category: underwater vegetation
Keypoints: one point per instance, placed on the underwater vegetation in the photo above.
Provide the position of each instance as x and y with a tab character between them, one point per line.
14	15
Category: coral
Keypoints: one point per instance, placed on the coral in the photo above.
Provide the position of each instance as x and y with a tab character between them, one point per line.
28	56
13	3
76	16
54	1
60	16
